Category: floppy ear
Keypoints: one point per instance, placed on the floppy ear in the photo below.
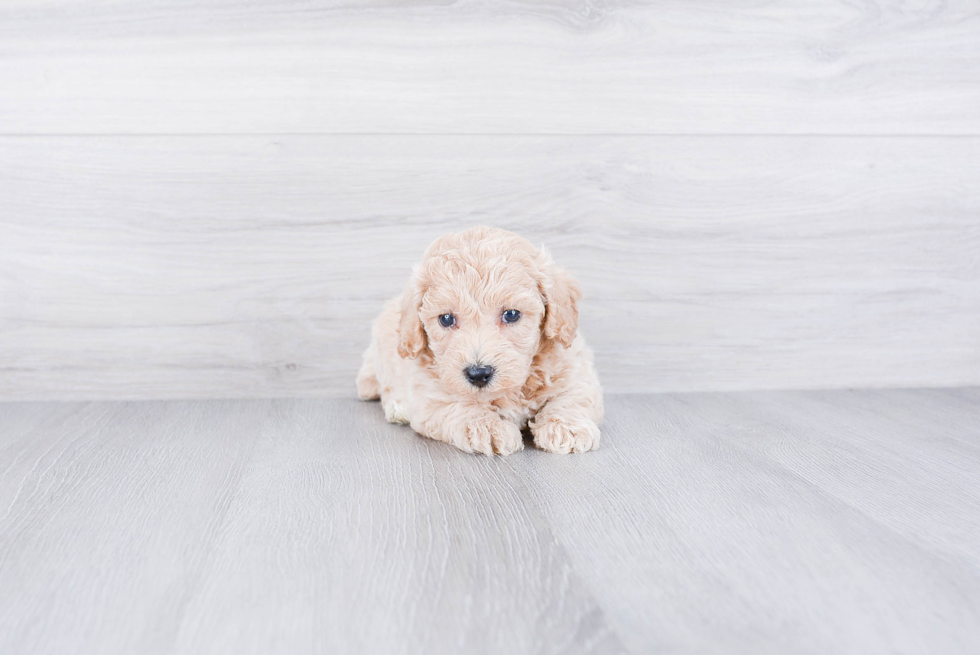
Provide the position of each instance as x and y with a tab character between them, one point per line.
411	335
561	295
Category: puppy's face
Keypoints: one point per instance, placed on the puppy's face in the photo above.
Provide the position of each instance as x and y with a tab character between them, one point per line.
483	329
481	305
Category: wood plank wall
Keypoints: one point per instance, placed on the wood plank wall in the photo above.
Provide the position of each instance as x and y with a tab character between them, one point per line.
213	199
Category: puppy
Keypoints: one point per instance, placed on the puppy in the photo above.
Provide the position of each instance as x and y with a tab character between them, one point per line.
483	343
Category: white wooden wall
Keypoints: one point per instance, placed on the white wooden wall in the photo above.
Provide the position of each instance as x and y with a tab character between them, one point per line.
214	198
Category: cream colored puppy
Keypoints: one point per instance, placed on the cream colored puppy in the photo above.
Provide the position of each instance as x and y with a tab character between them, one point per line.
483	342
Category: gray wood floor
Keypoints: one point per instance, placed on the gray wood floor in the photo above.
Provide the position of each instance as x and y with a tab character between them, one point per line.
819	522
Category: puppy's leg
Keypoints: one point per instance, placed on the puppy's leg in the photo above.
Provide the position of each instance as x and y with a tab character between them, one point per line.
396	411
569	422
471	428
367	382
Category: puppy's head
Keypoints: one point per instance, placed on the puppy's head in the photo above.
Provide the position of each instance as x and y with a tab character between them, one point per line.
481	305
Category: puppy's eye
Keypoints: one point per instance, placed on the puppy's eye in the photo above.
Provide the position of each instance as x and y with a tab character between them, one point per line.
511	316
447	320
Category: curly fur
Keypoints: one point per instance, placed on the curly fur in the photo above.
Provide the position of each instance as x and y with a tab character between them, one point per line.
544	376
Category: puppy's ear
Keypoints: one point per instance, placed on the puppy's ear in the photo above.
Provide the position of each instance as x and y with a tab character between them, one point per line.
561	295
411	335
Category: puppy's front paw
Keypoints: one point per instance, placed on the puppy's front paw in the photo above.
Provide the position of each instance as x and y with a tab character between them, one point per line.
396	412
563	436
490	435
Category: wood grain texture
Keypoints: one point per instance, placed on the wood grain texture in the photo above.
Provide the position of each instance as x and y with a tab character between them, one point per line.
300	527
777	522
353	536
431	66
766	522
109	513
141	267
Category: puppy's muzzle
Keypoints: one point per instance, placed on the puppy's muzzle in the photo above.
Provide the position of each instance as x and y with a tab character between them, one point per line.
479	376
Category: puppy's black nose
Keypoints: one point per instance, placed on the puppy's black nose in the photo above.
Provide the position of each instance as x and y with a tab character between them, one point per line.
479	376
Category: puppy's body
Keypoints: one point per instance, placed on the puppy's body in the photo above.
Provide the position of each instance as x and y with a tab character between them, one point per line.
449	358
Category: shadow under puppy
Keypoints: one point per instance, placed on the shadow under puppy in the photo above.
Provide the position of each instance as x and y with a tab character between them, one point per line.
483	342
